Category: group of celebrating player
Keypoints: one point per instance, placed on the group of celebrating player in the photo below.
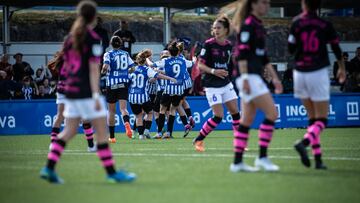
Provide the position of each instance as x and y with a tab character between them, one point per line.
161	86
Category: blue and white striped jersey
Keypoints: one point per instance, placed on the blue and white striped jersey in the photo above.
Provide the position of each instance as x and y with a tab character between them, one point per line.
152	87
138	90
187	78
161	84
119	62
175	67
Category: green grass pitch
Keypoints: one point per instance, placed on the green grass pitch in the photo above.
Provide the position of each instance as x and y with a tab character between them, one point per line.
170	171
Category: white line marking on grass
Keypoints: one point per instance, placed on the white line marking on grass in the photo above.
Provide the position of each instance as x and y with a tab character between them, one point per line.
198	155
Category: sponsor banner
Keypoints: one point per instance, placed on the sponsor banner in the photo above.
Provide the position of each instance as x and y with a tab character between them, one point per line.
37	116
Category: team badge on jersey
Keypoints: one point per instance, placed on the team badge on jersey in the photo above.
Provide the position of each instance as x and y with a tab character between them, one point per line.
244	36
97	49
203	51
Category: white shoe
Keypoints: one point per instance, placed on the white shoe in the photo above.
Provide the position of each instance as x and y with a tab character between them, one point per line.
266	164
92	149
242	167
142	137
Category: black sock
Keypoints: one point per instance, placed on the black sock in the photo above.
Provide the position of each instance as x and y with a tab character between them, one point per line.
161	122
306	142
126	118
188	112
157	121
50	163
263	152
171	124
134	126
89	136
184	120
238	157
141	129
55	130
200	137
112	131
318	159
148	124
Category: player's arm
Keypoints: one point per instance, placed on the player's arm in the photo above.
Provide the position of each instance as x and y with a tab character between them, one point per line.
242	54
334	41
292	40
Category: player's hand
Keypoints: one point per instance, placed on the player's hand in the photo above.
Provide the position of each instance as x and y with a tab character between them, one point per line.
152	80
173	80
221	73
278	86
341	75
97	105
246	86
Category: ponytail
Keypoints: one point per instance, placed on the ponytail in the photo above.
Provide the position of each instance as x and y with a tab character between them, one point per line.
86	13
173	49
243	10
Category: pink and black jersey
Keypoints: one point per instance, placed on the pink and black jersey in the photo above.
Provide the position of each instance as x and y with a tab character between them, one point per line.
308	37
76	65
251	45
61	79
217	56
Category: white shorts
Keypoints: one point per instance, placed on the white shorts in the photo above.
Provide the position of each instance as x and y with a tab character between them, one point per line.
84	109
220	95
60	98
257	87
313	85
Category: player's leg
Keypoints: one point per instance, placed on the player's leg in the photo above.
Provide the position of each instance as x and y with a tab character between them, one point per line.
57	147
266	104
111	121
125	116
57	122
241	138
88	131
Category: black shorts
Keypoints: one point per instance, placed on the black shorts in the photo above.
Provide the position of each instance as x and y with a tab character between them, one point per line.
186	92
167	99
152	98
156	104
114	95
138	108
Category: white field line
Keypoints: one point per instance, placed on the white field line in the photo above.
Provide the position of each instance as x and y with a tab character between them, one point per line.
198	155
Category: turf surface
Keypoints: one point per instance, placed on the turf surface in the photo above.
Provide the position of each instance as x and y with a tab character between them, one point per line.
170	171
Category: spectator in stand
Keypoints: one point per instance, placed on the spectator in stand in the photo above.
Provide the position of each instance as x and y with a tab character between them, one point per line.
29	89
126	36
355	62
42	74
21	68
6	66
7	86
103	33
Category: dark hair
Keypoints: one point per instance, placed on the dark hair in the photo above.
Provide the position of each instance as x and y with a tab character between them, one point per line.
345	54
224	20
243	10
173	49
313	5
116	42
86	13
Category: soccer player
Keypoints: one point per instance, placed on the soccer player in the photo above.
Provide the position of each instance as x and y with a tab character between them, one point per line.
252	59
60	101
174	67
215	62
82	55
307	40
187	88
138	94
117	64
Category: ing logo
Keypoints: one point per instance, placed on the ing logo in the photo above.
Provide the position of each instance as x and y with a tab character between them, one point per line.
352	110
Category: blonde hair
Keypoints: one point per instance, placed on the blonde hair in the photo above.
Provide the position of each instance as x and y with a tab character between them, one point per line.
243	10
